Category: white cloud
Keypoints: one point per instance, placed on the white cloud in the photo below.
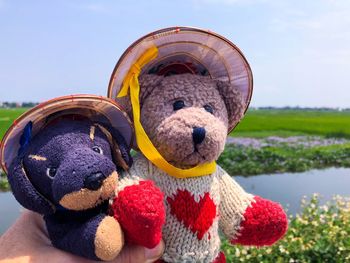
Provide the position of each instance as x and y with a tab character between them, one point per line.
323	32
313	61
308	55
325	14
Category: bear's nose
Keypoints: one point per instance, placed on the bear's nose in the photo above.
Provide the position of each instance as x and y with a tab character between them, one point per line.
94	181
198	135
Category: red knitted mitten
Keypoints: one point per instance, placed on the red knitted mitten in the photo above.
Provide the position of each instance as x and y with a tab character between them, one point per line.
220	258
140	210
264	223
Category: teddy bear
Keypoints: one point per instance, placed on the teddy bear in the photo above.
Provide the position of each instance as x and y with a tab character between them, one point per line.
185	90
186	118
68	172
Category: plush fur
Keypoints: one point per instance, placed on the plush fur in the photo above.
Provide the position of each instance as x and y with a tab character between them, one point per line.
68	173
187	118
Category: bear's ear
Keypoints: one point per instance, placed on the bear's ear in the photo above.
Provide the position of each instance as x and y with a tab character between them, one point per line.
233	100
25	192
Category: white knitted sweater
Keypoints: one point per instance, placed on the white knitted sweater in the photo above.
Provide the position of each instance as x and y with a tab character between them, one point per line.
195	210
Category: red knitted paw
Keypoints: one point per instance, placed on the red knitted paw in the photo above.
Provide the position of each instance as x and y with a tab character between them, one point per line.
140	211
220	258
264	223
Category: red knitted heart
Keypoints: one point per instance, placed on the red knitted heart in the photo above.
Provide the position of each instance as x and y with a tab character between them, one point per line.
198	217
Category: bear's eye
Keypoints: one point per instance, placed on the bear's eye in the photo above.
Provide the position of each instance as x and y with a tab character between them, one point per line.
97	149
179	104
51	172
208	108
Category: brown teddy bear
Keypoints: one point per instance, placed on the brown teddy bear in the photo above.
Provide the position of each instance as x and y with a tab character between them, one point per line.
183	110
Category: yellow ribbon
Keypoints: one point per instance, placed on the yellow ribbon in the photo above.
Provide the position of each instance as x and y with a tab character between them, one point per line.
144	143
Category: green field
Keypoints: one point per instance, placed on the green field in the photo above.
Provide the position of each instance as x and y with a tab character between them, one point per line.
7	116
261	123
284	123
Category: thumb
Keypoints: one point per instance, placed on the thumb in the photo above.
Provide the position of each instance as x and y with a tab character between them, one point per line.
138	254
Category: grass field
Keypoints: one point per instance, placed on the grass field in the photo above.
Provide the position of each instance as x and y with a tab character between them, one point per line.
7	116
284	123
261	123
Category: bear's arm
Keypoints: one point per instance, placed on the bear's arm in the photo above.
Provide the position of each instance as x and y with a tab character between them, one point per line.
246	219
97	238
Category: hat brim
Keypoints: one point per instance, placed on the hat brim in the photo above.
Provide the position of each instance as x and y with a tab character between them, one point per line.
192	50
96	108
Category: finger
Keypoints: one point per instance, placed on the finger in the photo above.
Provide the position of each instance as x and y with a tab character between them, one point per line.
25	237
38	229
137	254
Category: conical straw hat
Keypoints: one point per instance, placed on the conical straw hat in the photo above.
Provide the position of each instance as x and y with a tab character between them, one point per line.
96	108
188	50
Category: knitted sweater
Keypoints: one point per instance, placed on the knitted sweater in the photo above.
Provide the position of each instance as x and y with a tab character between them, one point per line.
195	210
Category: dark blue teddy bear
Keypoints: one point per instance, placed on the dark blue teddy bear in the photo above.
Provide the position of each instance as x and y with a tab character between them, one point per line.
61	157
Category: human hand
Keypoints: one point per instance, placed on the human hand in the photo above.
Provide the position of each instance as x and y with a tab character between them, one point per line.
27	241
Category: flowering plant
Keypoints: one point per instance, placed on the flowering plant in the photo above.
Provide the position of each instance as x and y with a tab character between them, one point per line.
320	233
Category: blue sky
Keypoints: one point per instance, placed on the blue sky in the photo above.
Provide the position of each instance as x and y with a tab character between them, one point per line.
299	50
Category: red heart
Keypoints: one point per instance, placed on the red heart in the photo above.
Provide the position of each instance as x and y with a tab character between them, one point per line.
198	217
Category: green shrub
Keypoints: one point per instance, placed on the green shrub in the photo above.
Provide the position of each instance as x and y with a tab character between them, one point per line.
239	160
4	185
320	233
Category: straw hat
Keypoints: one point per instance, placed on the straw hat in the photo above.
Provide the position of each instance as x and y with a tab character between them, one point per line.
188	50
96	108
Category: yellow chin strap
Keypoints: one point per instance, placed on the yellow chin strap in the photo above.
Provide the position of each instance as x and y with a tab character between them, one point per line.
144	143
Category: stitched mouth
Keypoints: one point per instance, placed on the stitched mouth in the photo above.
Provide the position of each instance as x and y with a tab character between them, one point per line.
196	153
195	148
